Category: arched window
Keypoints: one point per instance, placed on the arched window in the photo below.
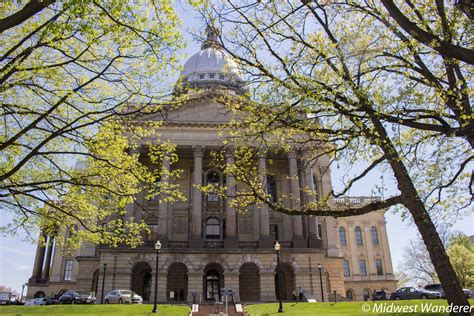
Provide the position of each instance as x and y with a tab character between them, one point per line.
213	229
213	179
374	235
358	235
350	295
271	188
342	236
366	294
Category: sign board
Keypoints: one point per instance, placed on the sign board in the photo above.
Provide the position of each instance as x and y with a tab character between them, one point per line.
226	292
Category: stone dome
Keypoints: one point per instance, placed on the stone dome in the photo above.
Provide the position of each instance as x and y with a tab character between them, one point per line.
210	67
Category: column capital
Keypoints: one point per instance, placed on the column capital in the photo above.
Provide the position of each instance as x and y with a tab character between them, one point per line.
228	151
198	151
262	152
293	154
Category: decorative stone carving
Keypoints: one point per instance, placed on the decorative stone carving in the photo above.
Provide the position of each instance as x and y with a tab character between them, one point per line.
180	224
198	151
245	225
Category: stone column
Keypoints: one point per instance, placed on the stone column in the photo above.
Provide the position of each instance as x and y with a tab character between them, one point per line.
196	238
303	197
325	171
264	240
298	240
195	285
314	240
163	205
39	259
267	286
231	240
49	253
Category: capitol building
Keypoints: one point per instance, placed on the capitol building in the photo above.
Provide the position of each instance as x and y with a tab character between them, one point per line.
206	244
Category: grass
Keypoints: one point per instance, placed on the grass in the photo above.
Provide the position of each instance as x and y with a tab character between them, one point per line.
345	308
102	310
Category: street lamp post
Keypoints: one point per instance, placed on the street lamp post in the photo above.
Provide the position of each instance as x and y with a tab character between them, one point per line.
103	284
321	281
157	247
280	290
22	290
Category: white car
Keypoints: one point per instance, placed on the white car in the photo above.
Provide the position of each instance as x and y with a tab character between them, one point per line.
123	297
36	301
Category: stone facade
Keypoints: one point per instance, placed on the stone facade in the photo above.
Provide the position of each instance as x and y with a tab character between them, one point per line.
208	246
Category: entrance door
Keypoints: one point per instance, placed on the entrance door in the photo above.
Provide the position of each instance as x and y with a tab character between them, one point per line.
212	285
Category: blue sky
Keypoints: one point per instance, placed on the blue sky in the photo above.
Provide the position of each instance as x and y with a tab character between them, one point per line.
17	256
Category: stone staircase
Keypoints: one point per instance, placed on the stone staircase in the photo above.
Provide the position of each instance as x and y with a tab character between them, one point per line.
208	310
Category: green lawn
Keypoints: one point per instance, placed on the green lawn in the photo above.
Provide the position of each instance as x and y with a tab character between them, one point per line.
101	310
345	308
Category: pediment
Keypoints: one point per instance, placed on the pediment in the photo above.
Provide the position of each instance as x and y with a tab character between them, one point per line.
206	111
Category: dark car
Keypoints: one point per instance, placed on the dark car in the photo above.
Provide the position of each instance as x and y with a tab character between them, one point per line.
410	293
469	294
77	297
436	287
379	296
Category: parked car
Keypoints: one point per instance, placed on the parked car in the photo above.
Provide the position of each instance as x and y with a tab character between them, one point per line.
30	302
469	294
77	297
123	296
409	293
437	288
380	296
5	298
41	301
53	300
36	301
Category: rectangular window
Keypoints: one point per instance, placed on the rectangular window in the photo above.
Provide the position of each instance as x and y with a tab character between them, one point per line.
347	271
320	231
362	268
221	77
201	77
378	265
211	76
68	270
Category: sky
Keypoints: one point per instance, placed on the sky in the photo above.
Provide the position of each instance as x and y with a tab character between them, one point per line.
17	255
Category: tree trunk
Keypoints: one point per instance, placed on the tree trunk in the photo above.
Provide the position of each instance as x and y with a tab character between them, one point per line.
422	219
438	255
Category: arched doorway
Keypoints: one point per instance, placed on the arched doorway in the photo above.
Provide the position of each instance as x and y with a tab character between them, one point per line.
95	281
141	280
213	281
39	294
177	282
249	282
288	282
350	295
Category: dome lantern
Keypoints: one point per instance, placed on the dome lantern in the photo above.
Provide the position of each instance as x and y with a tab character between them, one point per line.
211	67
